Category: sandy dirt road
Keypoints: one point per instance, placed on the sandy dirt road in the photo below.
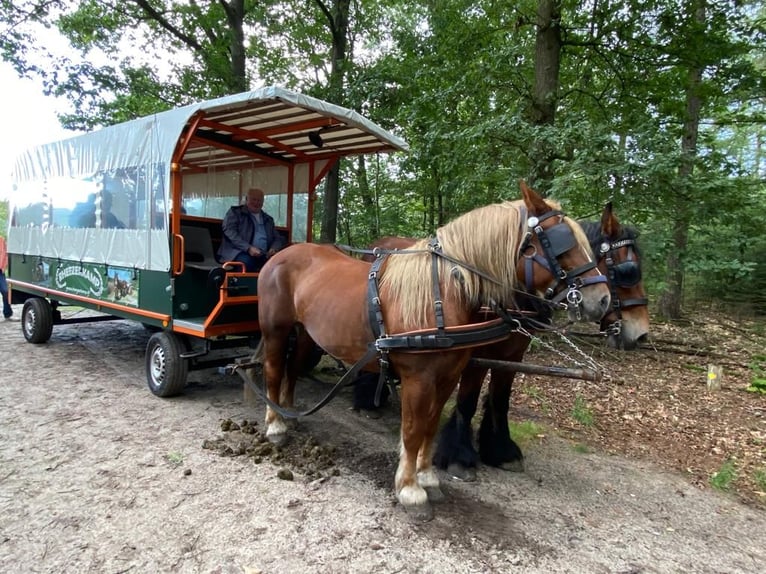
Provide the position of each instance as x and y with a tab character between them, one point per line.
97	475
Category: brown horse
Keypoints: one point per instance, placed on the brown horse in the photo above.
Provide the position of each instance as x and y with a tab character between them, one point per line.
616	249
626	324
431	295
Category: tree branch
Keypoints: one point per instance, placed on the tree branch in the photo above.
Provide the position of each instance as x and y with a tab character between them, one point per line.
162	21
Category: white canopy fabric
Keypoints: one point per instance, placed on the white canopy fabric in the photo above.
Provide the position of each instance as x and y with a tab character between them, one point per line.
270	129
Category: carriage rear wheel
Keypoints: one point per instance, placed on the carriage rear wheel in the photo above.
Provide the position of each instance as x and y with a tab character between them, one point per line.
166	370
37	320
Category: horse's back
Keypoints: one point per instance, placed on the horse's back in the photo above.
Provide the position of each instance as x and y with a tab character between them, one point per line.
318	286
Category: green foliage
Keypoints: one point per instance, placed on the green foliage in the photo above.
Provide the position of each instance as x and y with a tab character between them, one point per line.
525	431
175	458
759	477
581	412
456	79
581	448
727	474
758	380
3	217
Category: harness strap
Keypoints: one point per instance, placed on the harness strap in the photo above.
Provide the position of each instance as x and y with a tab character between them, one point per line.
375	311
376	251
453	338
436	250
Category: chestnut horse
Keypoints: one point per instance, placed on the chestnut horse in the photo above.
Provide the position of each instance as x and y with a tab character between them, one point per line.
626	324
428	296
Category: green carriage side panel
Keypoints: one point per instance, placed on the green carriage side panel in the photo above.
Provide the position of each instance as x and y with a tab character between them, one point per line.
156	292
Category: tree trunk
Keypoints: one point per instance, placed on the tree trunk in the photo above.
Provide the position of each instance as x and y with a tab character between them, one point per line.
369	200
545	90
235	15
338	22
671	299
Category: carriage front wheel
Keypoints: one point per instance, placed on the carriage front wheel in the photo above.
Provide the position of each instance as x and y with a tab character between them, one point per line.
166	370
37	320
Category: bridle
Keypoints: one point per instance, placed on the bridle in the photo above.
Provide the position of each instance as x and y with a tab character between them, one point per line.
555	241
624	274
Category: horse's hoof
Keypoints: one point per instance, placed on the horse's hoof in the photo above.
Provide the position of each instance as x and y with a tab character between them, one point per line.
512	466
460	472
277	439
420	512
434	494
371	414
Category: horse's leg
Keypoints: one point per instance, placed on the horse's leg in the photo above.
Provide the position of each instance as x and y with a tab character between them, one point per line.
275	354
416	400
297	355
427	477
455	452
496	447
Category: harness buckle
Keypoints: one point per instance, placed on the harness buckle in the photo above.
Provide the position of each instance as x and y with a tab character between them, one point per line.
574	297
373	275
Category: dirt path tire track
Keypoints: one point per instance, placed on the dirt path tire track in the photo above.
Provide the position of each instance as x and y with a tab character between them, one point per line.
98	475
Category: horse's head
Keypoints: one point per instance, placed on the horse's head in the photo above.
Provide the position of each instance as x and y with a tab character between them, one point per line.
556	260
627	322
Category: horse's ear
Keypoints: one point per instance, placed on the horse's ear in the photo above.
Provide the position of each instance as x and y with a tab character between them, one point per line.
610	226
534	202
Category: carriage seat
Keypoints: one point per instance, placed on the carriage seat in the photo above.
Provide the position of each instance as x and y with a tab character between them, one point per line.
198	248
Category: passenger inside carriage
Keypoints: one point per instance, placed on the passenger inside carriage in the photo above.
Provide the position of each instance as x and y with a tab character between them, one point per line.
249	233
84	214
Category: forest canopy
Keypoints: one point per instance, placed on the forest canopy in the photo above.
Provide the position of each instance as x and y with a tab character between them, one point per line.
655	105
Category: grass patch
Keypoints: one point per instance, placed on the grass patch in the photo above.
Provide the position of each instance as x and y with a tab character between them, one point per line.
759	477
174	458
758	380
722	479
581	448
525	431
581	412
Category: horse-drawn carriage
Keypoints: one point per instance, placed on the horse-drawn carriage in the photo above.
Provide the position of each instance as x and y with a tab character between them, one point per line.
126	220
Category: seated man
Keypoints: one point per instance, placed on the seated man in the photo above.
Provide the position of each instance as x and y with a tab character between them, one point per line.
84	214
249	234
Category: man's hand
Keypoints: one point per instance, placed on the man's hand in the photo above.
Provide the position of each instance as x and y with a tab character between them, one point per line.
271	252
254	251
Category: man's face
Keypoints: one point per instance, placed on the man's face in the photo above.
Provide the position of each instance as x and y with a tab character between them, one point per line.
255	202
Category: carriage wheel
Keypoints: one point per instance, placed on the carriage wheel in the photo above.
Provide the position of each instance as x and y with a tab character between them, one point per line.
166	370
37	320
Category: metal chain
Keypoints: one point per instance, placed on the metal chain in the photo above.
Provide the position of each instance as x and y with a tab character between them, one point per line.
589	361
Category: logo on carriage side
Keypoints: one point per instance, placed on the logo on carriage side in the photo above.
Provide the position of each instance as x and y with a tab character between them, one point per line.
80	280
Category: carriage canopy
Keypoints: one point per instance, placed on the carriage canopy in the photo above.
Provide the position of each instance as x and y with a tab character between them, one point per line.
107	196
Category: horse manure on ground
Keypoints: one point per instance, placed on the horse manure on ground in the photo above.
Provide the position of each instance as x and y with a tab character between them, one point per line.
303	457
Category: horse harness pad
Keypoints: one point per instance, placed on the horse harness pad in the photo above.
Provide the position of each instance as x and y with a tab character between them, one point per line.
624	274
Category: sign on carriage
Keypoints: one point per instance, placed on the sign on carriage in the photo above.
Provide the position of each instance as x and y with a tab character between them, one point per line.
127	220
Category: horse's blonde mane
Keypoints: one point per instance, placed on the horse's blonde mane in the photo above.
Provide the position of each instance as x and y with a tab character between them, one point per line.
486	238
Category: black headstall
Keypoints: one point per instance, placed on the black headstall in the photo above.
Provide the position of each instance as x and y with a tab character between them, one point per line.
555	241
624	274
